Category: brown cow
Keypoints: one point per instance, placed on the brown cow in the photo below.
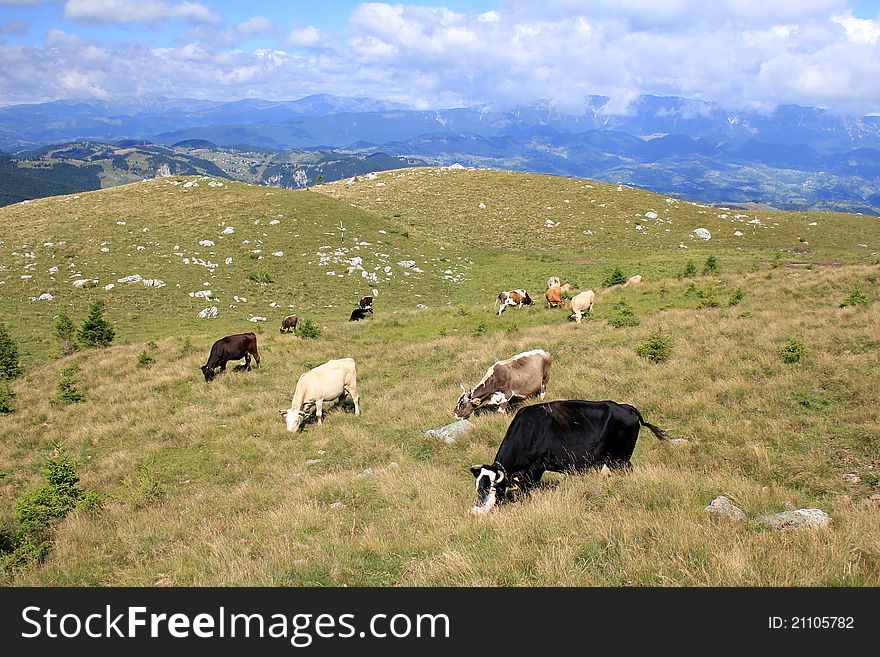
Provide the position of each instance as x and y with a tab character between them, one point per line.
520	376
633	280
518	298
288	324
554	297
232	347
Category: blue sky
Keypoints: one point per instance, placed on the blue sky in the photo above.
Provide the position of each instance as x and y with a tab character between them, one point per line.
738	53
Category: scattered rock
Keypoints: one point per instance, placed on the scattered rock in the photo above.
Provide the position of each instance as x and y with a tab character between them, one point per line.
209	313
206	243
851	478
450	432
678	441
872	501
228	230
421	306
370	472
796	519
256	319
702	233
722	507
337	505
313	461
85	282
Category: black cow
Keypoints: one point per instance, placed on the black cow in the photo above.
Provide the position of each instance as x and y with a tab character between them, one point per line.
232	347
560	436
359	313
366	303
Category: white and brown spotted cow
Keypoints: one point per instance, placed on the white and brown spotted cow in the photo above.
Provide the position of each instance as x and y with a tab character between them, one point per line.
522	375
518	298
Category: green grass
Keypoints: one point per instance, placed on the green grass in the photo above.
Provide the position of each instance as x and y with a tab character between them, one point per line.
202	484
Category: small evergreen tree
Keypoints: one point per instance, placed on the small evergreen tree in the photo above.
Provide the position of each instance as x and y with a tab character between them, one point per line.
10	367
67	390
711	265
65	331
7	397
616	277
96	331
690	269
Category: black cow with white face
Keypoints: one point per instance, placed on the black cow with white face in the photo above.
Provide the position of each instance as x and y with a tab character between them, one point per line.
559	436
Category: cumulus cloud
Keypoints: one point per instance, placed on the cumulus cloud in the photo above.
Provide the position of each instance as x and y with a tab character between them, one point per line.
137	11
16	27
737	53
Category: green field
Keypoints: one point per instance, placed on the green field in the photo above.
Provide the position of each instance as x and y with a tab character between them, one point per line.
203	485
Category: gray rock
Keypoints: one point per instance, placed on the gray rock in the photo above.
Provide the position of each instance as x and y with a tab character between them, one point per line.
337	505
451	432
722	507
851	478
678	441
796	519
370	472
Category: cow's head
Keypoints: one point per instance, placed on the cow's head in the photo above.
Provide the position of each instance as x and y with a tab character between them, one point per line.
466	404
491	483
208	372
293	418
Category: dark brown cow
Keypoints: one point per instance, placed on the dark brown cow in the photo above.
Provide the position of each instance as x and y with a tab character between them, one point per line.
554	297
232	347
518	298
366	303
520	376
288	324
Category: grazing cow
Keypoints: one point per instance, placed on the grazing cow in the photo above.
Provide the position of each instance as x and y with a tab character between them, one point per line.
582	303
366	303
333	380
560	436
552	281
554	297
564	289
633	280
520	376
288	324
232	347
518	298
359	313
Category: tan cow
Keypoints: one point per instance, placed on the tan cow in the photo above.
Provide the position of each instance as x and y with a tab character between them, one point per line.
633	280
333	380
522	375
554	297
582	303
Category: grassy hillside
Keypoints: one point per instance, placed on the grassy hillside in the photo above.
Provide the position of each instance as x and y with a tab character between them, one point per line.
204	485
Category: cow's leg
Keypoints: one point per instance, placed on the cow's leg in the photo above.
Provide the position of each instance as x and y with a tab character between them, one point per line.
247	362
222	367
542	390
257	358
354	397
319	404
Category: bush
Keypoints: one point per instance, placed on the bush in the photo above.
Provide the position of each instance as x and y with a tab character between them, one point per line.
777	261
737	296
480	329
709	297
306	328
96	331
10	367
260	277
793	351
711	265
690	270
65	332
657	348
7	398
625	316
857	298
67	390
616	277
144	359
187	346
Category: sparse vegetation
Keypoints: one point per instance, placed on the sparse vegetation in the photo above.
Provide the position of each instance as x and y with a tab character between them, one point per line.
793	351
738	295
10	366
480	329
711	266
616	277
624	316
7	399
657	348
709	297
65	332
307	328
690	270
144	359
856	298
67	392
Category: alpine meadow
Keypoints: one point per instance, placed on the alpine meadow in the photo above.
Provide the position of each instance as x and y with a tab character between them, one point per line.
753	340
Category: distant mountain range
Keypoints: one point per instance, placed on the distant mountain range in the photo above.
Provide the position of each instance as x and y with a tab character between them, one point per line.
795	157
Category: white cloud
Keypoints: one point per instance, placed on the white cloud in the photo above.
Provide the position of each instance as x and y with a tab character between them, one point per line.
137	11
306	37
254	26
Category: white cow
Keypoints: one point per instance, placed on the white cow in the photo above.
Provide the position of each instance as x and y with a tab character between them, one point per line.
633	280
582	303
332	380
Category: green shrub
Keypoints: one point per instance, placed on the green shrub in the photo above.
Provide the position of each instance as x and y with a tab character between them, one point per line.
7	399
616	277
513	329
737	296
690	270
144	359
95	330
187	346
67	390
793	351
306	328
777	260
657	348
148	490
857	298
709	297
711	266
10	367
65	332
260	277
624	317
479	330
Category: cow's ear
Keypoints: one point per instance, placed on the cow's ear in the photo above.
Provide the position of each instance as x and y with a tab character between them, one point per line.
475	470
463	389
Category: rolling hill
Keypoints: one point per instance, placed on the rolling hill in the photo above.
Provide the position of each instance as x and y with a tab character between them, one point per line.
201	484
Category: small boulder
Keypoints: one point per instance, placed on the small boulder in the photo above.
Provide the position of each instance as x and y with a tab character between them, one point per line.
796	519
722	507
678	441
451	432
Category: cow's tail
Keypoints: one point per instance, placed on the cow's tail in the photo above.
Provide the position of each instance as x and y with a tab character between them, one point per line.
657	431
